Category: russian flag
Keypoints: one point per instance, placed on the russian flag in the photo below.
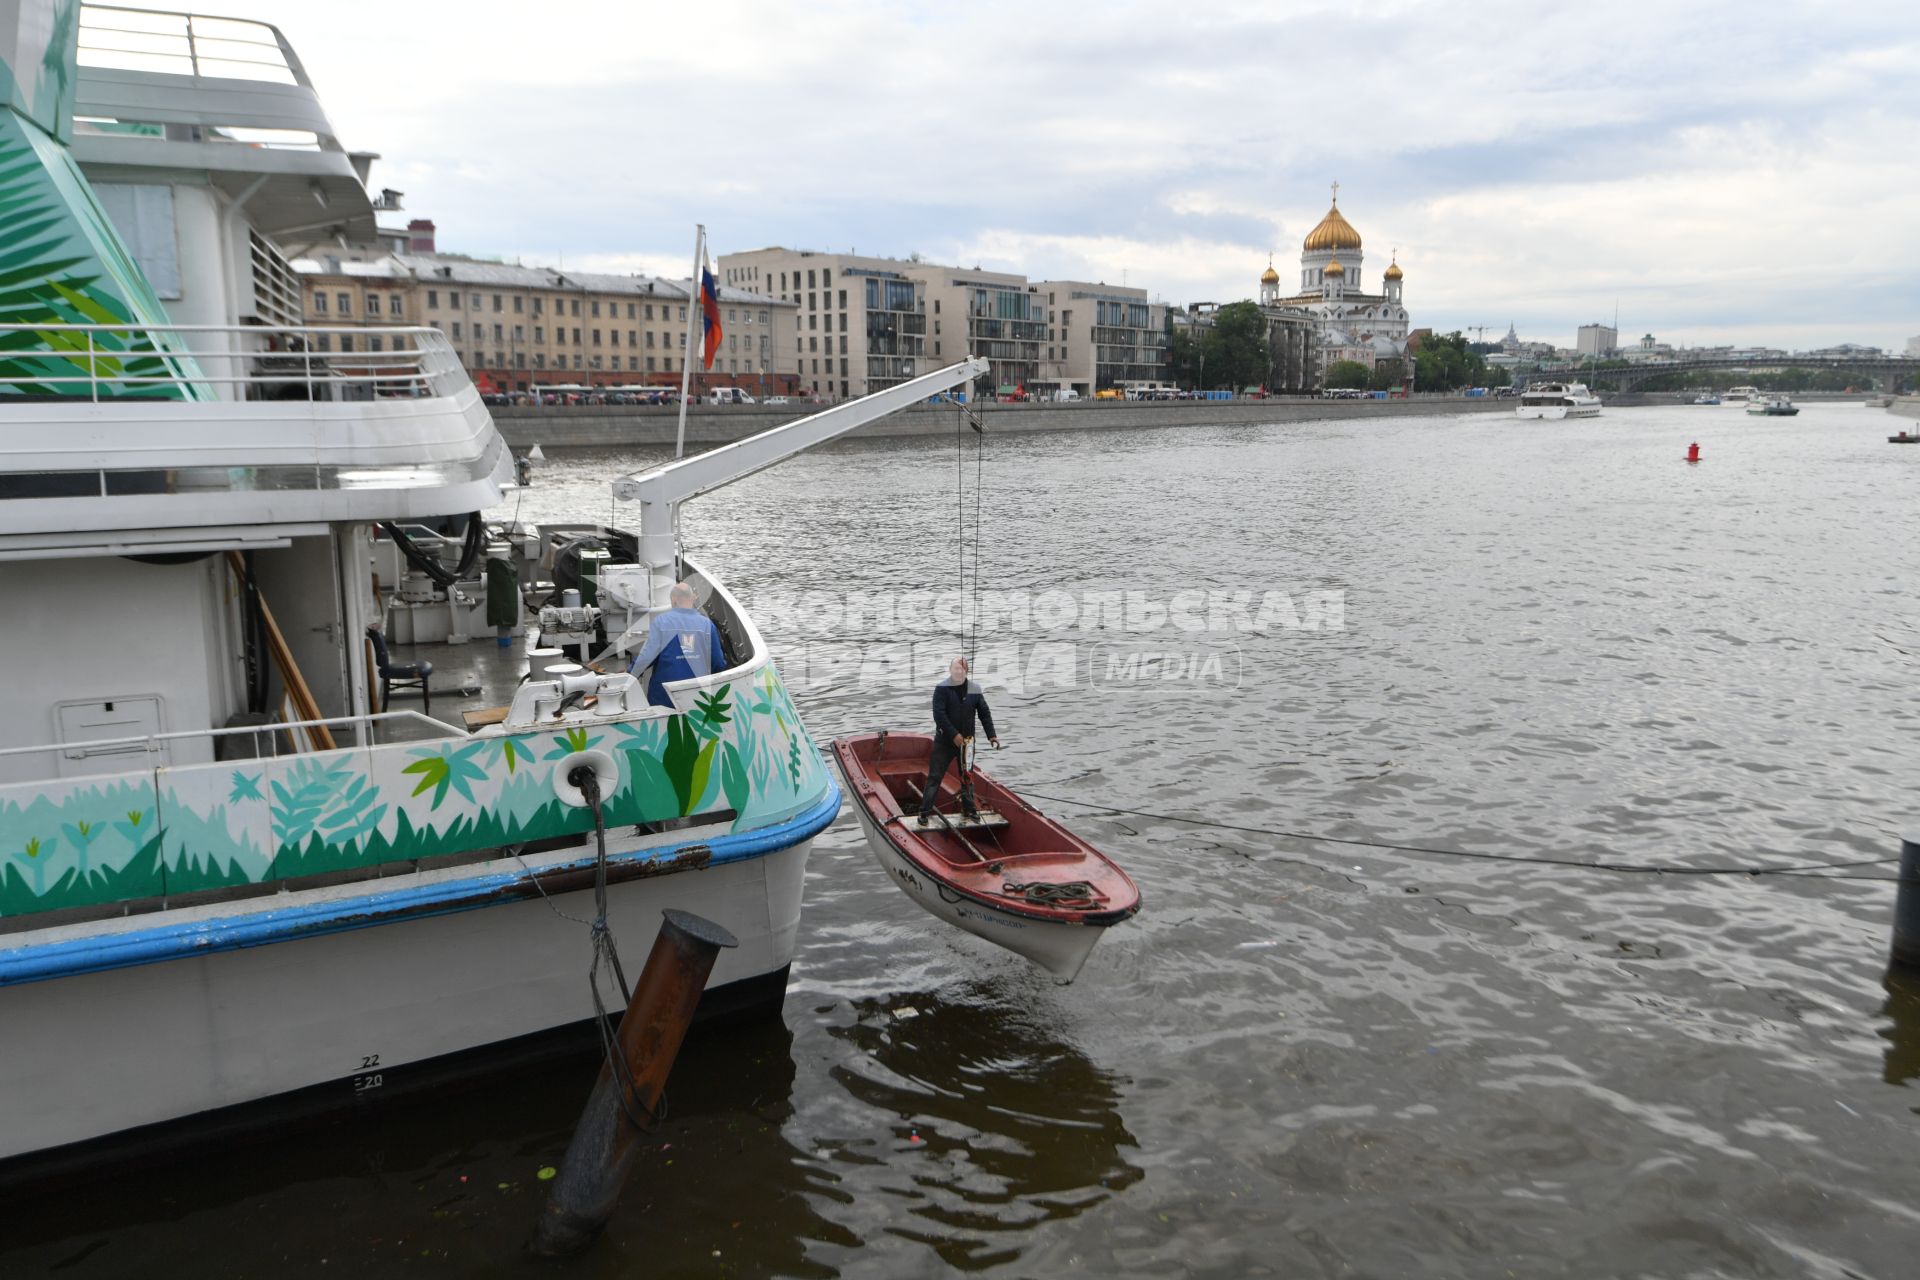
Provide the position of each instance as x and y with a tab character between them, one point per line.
710	309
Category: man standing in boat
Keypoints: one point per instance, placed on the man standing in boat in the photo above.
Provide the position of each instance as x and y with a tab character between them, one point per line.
956	701
681	643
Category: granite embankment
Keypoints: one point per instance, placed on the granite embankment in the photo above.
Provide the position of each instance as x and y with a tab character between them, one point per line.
593	426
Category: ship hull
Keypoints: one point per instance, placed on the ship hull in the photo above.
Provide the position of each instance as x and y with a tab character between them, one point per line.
336	1017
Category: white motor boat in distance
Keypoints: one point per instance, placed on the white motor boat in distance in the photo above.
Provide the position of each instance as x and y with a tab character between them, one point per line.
1556	400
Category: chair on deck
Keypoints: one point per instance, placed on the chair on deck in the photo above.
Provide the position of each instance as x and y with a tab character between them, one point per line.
399	675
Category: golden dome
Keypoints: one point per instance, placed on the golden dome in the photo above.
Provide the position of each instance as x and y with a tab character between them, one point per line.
1269	276
1334	232
1335	269
1393	271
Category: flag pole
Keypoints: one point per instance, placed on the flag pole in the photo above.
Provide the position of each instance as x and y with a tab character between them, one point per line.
686	357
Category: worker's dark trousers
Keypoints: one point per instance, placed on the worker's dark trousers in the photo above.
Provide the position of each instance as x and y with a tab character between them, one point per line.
944	754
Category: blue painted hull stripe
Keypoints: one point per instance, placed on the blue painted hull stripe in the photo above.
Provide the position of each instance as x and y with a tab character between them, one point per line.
72	956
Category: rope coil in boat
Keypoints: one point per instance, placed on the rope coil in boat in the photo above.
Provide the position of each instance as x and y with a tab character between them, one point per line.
1068	895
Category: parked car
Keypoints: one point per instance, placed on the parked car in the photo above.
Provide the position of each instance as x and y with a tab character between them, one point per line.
728	395
775	400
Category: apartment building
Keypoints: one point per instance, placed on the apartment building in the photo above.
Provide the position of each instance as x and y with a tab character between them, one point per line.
860	324
865	323
516	327
1100	335
992	314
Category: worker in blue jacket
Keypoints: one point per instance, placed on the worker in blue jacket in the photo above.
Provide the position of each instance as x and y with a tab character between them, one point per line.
956	702
681	643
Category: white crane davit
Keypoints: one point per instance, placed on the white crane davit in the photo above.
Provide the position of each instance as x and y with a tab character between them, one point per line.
660	491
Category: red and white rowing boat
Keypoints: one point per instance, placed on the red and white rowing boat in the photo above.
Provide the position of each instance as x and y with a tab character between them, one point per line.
1011	875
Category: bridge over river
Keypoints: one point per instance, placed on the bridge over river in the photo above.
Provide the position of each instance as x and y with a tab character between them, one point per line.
1881	372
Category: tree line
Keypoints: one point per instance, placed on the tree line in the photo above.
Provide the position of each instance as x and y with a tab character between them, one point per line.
1235	352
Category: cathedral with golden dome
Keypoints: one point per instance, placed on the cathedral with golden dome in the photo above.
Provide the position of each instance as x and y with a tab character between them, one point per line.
1353	324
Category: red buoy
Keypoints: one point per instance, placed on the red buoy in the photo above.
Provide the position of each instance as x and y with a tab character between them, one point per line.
1693	453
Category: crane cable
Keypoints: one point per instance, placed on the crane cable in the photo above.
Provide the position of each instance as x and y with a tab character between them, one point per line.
970	622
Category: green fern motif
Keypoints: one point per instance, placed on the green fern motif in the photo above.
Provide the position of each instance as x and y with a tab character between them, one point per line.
513	751
328	796
50	277
442	770
711	714
569	742
30	858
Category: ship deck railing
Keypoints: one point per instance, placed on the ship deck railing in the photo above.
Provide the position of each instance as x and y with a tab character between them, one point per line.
242	362
272	739
177	42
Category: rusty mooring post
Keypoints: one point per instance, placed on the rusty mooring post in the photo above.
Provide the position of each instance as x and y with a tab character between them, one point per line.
1906	907
607	1138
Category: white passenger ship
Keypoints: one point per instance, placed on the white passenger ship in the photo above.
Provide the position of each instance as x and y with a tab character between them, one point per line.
204	920
1558	400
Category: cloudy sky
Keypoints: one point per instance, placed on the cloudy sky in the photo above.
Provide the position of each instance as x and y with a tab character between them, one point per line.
1718	171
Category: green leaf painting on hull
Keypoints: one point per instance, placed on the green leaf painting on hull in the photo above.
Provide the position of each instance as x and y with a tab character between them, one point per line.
183	828
439	770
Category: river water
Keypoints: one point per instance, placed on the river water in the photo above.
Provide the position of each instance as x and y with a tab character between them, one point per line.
1301	1059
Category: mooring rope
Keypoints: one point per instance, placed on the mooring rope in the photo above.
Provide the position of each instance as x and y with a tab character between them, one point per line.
606	953
1808	870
